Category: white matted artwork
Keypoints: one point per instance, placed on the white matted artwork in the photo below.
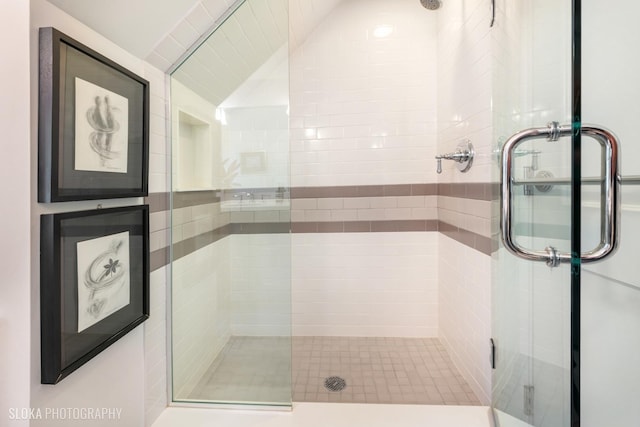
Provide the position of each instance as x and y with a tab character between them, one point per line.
253	162
102	129
103	277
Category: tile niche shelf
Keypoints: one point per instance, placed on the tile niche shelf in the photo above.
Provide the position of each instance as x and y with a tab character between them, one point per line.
194	153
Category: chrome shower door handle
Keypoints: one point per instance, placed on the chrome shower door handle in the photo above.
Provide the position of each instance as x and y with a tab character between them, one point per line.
610	201
610	217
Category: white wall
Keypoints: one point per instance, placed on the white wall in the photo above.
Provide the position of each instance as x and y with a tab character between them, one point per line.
464	112
253	133
260	284
363	108
199	163
465	87
116	377
363	112
201	320
465	312
365	284
15	306
155	328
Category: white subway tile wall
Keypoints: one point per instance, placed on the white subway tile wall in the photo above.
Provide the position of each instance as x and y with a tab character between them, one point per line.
365	284
464	87
199	330
258	139
465	312
471	215
260	285
464	112
364	208
363	96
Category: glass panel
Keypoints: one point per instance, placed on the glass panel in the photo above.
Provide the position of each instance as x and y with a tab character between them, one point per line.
531	302
611	289
231	315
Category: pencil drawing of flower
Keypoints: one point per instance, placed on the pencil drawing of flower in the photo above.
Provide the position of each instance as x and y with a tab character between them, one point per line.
111	267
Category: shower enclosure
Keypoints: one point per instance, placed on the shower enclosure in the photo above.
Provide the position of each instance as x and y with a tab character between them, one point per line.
319	118
318	256
565	302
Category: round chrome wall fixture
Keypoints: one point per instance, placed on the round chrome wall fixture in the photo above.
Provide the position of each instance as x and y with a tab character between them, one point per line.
466	161
463	156
544	188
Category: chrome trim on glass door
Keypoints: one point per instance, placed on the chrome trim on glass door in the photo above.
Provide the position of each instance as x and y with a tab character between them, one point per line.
610	199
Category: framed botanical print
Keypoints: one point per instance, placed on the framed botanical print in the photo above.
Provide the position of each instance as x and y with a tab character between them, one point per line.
94	284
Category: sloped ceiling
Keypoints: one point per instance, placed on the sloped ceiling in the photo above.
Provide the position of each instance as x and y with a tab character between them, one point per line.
135	25
236	50
158	31
161	31
246	59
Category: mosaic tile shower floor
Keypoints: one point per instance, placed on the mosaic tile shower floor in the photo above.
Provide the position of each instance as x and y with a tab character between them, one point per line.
376	370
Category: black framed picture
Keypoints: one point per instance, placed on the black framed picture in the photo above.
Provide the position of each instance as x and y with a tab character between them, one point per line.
94	284
93	124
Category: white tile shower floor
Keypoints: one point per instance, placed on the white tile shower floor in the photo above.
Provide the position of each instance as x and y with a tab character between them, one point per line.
376	370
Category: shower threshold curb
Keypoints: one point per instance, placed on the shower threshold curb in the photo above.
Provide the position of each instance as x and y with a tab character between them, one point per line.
334	414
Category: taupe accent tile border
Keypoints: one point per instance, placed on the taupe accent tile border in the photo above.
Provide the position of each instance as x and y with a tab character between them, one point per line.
159	259
183	248
477	191
486	245
188	246
192	244
157	202
473	190
183	199
364	226
260	228
364	191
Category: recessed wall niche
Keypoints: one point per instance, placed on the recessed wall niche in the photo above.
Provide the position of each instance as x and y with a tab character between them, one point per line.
194	153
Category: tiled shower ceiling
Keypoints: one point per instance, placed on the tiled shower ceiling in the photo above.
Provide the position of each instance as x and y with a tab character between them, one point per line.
251	43
161	32
236	50
136	26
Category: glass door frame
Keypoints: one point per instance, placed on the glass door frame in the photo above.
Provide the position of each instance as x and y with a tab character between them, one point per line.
576	203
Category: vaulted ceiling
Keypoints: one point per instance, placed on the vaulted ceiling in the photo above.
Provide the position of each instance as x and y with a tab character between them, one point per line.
161	31
158	31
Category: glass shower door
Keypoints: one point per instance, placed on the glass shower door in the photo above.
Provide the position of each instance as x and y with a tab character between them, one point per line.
566	335
231	246
531	302
610	374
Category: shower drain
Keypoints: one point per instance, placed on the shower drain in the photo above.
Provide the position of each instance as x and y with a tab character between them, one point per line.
334	383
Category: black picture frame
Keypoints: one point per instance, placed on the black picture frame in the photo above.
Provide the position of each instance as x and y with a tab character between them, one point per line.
93	124
94	284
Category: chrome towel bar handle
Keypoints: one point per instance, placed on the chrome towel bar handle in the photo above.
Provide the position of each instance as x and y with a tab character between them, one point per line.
610	200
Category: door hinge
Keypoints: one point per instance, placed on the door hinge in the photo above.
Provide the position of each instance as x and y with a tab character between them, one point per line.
528	400
492	353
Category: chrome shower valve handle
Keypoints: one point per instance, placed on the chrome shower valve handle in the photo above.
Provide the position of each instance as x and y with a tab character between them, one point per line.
463	156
